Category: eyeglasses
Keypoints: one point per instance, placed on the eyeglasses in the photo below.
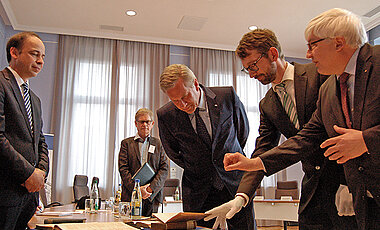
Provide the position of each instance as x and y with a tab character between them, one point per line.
252	67
147	122
312	45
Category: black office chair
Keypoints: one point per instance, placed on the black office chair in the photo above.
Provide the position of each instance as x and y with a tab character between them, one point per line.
80	187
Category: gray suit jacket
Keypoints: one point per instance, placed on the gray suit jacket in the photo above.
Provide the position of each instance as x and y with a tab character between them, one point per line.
20	151
361	173
200	162
130	162
274	121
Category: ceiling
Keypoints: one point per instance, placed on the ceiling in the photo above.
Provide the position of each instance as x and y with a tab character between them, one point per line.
217	24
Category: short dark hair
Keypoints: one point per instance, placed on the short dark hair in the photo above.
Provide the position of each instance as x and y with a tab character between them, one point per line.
17	41
261	40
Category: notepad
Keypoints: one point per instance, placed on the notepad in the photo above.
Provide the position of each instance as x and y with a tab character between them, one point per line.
145	174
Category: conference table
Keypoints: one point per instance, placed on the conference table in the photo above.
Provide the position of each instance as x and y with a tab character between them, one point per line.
69	211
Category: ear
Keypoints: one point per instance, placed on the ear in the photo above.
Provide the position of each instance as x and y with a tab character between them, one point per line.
196	84
136	124
340	42
14	52
273	54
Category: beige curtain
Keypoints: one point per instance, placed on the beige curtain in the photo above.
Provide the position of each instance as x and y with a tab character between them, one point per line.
100	84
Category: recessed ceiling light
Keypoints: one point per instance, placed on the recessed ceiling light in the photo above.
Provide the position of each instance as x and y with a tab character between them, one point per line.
130	13
252	27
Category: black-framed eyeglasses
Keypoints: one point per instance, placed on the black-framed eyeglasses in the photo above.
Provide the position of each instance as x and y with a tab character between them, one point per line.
312	45
147	122
252	67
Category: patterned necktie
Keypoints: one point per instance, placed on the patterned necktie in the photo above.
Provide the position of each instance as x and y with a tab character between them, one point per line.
201	129
288	104
344	97
28	105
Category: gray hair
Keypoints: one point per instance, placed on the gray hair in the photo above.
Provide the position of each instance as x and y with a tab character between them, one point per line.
338	22
172	73
143	111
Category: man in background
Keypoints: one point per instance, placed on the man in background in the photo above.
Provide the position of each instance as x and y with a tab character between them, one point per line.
197	128
347	119
24	161
286	108
135	152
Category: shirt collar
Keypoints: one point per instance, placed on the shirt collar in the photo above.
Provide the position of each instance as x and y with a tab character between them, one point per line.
19	80
202	100
351	65
288	75
137	137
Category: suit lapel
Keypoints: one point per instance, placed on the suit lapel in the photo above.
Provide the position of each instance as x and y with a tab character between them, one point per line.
136	150
19	98
214	111
363	68
300	82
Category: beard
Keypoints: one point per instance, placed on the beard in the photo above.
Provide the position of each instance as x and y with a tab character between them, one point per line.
269	75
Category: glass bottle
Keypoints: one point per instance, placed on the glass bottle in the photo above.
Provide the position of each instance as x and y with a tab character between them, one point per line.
136	200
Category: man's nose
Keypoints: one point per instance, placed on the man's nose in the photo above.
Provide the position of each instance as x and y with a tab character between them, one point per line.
309	54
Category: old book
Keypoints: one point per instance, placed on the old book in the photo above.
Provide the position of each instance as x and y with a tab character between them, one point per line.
190	224
94	225
179	217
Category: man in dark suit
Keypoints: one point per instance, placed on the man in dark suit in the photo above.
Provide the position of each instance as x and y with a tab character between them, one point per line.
347	118
262	58
24	162
197	128
136	151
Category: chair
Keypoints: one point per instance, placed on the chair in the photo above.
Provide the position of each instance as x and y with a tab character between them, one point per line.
287	188
169	189
80	187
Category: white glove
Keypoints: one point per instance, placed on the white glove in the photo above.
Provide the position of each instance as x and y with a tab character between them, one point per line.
226	210
343	201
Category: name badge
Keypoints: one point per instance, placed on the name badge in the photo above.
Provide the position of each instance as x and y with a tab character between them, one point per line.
151	148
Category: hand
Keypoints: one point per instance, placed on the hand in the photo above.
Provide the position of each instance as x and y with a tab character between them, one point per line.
350	144
146	191
225	211
343	202
237	161
36	181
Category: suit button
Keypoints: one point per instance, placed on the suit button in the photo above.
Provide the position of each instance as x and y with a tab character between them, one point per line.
361	169
317	167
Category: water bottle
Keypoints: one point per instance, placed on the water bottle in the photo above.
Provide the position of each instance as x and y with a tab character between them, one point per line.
136	200
176	194
117	199
95	197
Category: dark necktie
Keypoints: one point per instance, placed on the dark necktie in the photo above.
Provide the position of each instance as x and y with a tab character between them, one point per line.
344	97
201	129
28	106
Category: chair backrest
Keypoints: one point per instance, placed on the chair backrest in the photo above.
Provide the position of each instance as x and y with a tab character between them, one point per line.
80	187
170	187
287	188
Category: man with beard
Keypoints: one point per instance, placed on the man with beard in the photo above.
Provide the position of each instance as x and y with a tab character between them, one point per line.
285	109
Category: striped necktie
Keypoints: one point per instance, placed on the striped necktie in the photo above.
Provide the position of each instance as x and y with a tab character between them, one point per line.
28	105
288	104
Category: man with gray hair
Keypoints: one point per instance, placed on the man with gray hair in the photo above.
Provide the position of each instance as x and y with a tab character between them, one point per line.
197	128
347	119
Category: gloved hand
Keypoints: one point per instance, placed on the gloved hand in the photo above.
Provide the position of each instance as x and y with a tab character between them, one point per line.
226	210
343	201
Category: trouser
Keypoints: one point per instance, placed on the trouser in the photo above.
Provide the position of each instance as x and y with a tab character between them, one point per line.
17	217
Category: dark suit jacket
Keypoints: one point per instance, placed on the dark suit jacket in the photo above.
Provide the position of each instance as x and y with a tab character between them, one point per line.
361	173
200	162
274	121
130	162
20	151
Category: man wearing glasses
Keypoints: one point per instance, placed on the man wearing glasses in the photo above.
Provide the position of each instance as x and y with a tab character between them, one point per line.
285	109
136	151
347	119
